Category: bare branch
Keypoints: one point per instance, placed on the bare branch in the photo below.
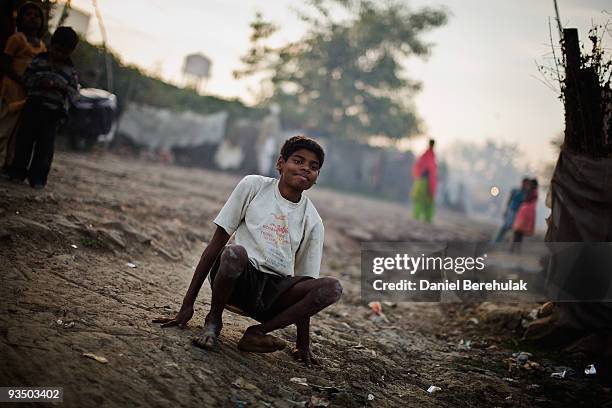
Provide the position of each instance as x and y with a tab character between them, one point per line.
552	47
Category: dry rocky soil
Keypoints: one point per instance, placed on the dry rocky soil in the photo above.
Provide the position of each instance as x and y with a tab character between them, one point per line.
112	243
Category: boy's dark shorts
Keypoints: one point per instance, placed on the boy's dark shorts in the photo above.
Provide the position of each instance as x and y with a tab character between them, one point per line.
255	292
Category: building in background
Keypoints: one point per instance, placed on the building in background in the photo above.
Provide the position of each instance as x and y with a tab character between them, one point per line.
196	71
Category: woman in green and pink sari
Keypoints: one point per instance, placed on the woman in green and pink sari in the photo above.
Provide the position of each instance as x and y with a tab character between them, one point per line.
425	173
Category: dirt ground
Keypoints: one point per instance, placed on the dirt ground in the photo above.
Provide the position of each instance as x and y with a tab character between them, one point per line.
112	243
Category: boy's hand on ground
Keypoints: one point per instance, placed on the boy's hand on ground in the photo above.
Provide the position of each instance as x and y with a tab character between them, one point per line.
305	356
180	320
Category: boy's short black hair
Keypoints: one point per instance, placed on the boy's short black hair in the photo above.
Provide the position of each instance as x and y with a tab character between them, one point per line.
296	143
66	37
21	12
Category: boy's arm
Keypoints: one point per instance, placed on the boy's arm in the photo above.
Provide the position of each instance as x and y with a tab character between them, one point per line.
72	88
214	247
308	263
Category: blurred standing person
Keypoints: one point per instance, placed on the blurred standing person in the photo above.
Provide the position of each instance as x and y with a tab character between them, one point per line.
20	49
524	224
425	173
514	203
53	86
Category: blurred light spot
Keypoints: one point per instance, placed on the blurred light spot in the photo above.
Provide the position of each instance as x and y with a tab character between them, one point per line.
494	191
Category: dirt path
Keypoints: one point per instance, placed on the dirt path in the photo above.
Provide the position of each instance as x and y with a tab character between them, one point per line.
112	243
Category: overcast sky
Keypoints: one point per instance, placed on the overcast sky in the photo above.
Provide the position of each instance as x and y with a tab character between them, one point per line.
480	81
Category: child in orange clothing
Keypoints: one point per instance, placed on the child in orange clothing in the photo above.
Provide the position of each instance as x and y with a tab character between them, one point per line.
20	49
524	223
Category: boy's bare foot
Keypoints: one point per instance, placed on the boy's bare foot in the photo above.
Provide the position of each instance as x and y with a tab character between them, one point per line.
256	342
209	338
305	356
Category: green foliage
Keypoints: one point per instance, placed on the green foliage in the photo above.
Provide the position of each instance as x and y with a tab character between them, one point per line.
131	84
344	78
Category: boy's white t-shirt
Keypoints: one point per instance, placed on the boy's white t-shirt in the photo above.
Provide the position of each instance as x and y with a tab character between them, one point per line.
281	237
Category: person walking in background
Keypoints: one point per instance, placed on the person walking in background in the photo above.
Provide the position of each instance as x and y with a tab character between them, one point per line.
425	173
524	224
53	86
515	200
20	49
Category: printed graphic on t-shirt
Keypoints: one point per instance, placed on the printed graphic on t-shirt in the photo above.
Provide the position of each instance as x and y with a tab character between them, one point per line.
277	247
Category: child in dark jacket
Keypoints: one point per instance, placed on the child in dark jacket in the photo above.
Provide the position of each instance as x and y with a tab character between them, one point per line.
52	85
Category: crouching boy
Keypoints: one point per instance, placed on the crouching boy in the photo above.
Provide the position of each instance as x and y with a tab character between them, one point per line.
271	272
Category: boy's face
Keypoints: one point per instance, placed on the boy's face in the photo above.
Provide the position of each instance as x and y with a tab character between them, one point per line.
300	170
59	52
